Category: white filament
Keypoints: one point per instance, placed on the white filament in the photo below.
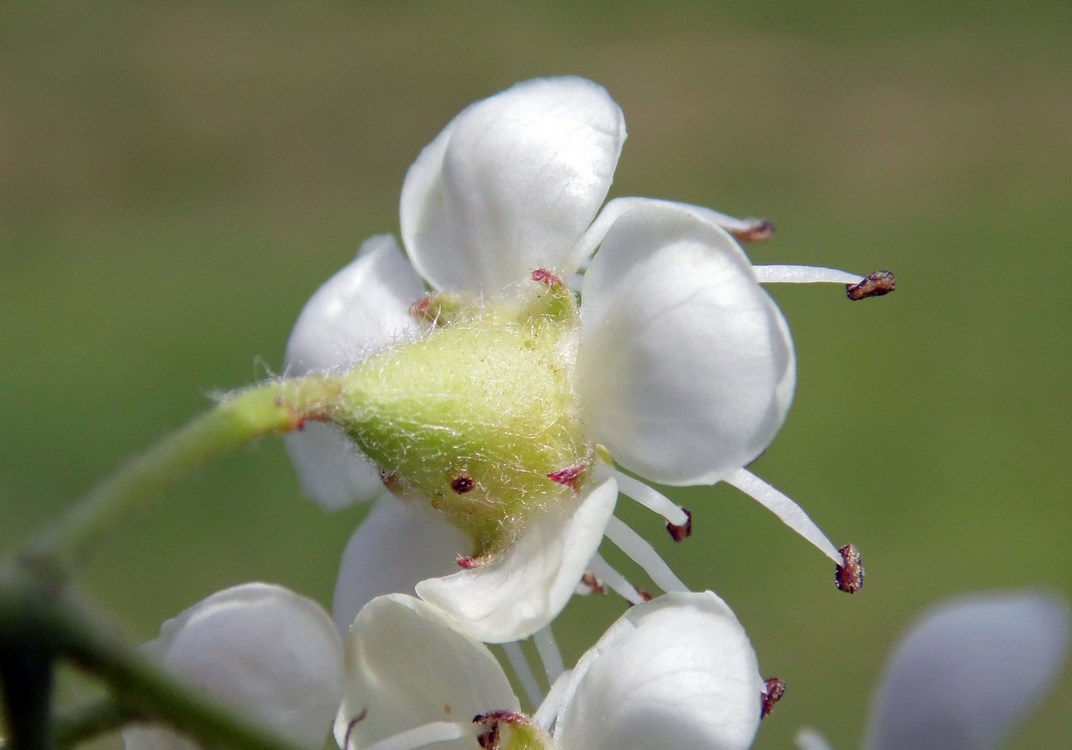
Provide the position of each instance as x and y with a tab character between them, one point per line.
644	555
615	580
549	654
650	498
781	505
804	275
523	672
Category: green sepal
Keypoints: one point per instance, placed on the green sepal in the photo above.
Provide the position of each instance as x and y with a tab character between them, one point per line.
476	414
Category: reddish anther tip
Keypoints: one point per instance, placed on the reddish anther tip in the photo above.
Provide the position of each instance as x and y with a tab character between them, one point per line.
643	594
756	231
850	576
775	690
422	308
489	738
875	285
468	562
568	476
593	582
684	531
543	276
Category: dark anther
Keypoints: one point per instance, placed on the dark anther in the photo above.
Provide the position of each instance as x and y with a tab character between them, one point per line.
489	738
462	484
875	285
850	576
677	533
643	594
775	690
757	229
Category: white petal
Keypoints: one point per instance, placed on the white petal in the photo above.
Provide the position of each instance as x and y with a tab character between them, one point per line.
407	667
362	308
262	651
811	739
968	671
678	671
511	184
685	365
397	545
530	584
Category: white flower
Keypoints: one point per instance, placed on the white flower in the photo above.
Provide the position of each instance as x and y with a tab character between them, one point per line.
260	650
679	365
678	671
965	674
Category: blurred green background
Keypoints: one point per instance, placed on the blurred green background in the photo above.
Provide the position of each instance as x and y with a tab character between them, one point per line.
177	179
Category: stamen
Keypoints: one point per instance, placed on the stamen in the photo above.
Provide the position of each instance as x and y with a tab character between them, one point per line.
850	576
875	285
489	722
644	555
754	230
617	582
591	584
523	672
803	275
569	475
773	691
549	654
650	498
436	731
683	532
543	276
781	505
468	562
425	309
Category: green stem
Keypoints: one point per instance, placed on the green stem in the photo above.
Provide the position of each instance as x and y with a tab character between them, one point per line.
91	721
272	408
37	619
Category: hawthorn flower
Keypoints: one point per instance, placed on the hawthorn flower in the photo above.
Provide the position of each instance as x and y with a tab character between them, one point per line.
677	671
264	652
965	674
499	402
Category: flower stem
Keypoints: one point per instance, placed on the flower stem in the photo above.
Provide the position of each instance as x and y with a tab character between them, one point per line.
275	407
91	721
45	626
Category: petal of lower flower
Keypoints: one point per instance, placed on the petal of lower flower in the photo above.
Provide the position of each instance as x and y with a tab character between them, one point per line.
678	671
406	666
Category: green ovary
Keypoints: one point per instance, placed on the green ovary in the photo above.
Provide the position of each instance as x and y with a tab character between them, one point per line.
475	415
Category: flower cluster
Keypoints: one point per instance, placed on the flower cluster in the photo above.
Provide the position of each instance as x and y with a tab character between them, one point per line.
501	382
